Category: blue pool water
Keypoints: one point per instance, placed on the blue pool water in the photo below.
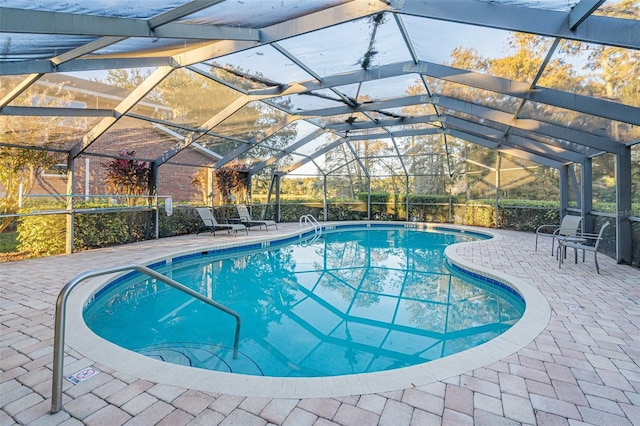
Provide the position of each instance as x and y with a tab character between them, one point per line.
354	301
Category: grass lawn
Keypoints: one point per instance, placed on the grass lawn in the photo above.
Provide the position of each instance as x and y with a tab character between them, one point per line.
8	242
9	247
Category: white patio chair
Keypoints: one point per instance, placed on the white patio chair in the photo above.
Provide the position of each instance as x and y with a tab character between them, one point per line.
570	225
592	243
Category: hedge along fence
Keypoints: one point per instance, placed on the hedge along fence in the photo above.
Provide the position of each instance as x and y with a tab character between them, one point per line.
45	235
517	215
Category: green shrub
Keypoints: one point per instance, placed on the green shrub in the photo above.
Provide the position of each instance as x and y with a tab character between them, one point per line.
182	222
94	230
518	215
42	235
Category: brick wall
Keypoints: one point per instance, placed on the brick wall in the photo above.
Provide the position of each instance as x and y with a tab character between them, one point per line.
148	143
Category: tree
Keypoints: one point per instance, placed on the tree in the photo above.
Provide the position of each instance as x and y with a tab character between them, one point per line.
21	166
19	169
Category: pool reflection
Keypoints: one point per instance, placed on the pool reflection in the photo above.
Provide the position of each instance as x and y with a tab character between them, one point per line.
352	302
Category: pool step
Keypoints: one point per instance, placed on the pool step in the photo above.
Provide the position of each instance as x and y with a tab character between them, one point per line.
209	357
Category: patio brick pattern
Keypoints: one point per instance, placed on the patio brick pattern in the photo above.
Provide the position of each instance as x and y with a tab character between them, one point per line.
584	368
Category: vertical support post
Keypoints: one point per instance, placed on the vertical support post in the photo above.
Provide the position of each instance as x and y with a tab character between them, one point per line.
564	190
577	190
210	186
406	197
70	219
587	195
368	198
277	182
324	198
87	180
497	207
250	188
152	200
623	206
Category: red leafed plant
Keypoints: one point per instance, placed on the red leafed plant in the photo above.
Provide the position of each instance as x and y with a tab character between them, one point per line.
231	178
127	176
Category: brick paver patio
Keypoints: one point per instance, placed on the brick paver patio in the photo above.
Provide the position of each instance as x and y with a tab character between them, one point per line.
583	368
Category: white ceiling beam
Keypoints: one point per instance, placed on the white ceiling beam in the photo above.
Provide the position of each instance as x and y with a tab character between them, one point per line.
576	137
181	11
19	89
32	21
492	144
550	23
293	27
192	136
55	111
288	150
129	102
579	103
581	11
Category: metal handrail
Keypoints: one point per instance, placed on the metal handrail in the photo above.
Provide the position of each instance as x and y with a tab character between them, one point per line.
60	317
317	228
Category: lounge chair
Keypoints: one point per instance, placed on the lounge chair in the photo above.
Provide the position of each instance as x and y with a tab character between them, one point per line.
210	222
245	218
570	226
582	241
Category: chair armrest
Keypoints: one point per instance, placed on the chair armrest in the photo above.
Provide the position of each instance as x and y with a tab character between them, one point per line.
579	236
547	226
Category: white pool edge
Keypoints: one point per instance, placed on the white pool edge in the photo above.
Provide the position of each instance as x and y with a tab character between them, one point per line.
535	318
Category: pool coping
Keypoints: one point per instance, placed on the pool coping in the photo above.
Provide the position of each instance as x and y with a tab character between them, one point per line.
535	318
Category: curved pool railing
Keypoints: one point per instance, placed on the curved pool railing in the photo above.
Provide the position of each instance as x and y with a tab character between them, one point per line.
60	317
317	228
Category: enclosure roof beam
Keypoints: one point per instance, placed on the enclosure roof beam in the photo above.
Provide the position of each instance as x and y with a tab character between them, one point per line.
530	145
550	23
256	140
129	102
202	52
530	126
575	136
579	103
45	66
55	111
181	11
19	89
192	136
303	24
340	127
313	156
342	166
356	156
52	23
288	150
491	144
517	142
398	134
581	11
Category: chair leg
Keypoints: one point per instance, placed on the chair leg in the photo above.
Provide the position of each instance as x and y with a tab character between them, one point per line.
559	255
595	260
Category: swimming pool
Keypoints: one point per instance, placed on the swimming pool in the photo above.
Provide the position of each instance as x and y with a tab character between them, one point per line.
356	301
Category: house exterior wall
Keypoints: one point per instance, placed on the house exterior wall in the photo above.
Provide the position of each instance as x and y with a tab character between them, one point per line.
149	143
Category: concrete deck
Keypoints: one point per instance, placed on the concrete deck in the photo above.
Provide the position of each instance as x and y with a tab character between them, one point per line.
583	367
